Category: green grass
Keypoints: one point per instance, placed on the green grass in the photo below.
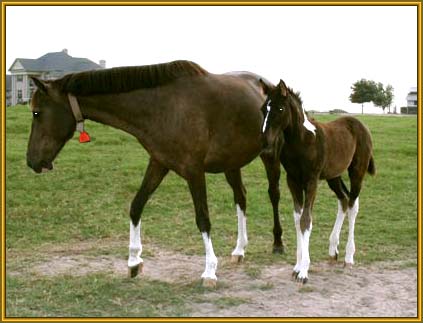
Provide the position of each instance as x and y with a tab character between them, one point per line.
88	194
95	295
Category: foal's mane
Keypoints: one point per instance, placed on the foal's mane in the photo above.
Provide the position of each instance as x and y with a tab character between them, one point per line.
296	96
125	79
298	105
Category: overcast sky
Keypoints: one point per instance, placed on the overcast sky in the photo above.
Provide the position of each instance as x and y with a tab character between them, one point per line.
317	50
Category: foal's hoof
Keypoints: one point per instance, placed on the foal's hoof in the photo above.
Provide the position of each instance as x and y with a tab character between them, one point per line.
209	283
278	250
237	259
134	271
333	259
300	281
348	266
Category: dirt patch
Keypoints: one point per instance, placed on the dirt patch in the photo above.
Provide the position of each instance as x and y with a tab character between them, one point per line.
380	290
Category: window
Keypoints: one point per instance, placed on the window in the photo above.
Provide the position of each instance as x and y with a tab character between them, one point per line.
19	78
19	94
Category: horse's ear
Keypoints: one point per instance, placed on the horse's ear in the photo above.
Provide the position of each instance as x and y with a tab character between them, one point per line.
41	85
265	87
283	88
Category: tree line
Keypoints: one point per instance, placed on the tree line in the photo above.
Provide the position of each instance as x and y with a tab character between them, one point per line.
369	91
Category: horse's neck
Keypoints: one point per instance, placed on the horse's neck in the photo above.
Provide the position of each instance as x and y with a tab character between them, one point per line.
295	129
120	112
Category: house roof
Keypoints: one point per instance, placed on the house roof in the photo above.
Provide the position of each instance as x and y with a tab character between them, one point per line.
57	61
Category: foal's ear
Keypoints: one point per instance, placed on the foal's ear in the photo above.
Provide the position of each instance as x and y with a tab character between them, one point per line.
41	85
282	87
265	87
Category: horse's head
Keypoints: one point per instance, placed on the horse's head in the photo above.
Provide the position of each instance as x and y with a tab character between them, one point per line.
276	115
53	124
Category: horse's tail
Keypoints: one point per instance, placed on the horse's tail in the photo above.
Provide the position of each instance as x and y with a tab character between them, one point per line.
371	169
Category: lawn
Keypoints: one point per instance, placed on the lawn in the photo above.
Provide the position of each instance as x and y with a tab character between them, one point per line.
87	197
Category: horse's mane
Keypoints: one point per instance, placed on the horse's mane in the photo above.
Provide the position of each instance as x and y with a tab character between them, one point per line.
125	79
296	96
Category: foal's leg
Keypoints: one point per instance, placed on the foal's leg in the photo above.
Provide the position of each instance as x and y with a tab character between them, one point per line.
273	171
356	175
197	186
153	177
297	196
338	187
305	228
235	181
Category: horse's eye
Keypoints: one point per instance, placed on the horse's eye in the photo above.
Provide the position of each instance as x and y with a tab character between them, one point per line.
35	114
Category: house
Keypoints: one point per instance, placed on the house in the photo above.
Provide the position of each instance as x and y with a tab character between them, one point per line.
8	90
47	67
411	107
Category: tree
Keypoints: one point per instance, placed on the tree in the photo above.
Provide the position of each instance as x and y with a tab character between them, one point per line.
363	91
384	96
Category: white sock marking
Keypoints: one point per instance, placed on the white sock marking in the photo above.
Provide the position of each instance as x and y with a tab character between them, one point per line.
211	260
350	250
336	231
135	246
297	217
242	240
305	254
266	118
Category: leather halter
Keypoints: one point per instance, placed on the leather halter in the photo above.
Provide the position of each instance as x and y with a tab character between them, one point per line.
76	110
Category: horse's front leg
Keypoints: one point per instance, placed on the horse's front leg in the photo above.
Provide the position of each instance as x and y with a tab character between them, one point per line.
197	186
235	181
303	238
152	178
298	199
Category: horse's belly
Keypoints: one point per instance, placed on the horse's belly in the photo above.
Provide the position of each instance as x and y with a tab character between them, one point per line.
221	161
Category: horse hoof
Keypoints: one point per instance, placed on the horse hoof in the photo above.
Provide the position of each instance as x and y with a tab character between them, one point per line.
278	250
348	265
209	283
294	275
237	259
302	281
333	259
134	271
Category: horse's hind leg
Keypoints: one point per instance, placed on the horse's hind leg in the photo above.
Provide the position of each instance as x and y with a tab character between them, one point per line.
337	185
356	173
153	177
197	186
273	171
235	181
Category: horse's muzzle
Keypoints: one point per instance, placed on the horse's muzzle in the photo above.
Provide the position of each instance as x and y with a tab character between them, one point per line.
41	167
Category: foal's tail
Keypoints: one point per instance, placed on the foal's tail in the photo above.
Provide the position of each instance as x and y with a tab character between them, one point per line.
371	169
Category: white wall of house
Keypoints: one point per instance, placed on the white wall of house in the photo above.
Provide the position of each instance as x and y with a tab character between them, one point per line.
22	88
412	100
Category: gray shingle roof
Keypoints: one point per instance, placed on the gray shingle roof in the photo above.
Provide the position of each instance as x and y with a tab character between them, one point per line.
58	61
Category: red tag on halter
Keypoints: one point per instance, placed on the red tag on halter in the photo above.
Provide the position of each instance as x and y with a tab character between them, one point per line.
84	137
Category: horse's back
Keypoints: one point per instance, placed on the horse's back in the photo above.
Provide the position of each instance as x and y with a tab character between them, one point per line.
217	118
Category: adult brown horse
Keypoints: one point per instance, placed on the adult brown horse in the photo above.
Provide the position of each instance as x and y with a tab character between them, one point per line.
310	151
189	121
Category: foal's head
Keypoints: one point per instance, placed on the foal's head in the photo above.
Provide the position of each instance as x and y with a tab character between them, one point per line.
277	114
53	124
